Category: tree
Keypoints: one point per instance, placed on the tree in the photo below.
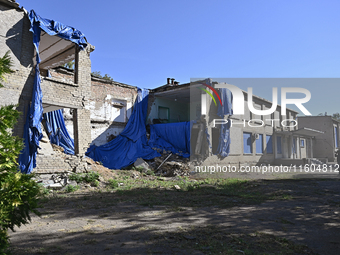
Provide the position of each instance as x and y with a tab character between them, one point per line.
5	67
99	75
336	116
69	65
18	192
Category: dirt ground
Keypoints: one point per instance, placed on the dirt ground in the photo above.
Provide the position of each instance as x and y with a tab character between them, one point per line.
304	213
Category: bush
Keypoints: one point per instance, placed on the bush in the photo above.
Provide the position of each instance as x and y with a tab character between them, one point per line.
18	192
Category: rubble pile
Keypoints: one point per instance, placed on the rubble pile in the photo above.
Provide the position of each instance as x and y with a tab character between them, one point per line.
168	165
55	181
59	180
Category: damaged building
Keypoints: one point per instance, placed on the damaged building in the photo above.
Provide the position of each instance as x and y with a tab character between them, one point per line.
110	116
252	139
35	49
110	105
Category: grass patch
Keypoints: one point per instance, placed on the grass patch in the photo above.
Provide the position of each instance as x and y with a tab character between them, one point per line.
215	240
84	177
151	190
71	188
91	177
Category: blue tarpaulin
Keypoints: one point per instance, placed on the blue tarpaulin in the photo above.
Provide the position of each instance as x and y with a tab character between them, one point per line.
32	128
174	137
131	143
225	109
57	131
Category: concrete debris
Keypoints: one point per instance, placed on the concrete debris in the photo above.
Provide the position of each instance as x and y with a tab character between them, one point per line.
78	164
177	187
57	148
174	163
171	166
135	176
140	163
55	186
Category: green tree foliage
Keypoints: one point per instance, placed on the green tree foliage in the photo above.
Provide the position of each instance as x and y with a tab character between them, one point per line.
18	192
99	75
5	67
69	65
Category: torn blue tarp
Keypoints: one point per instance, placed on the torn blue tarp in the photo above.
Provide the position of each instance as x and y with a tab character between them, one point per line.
32	128
131	143
53	27
174	137
225	109
57	131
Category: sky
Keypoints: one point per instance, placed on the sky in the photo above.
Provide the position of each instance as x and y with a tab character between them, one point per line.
141	43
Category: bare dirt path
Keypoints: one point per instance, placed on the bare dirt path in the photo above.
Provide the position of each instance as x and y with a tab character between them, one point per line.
307	212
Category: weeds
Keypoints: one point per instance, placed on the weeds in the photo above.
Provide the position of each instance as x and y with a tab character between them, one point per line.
113	184
91	177
71	188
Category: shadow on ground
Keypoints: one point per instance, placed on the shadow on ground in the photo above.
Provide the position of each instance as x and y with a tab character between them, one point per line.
271	213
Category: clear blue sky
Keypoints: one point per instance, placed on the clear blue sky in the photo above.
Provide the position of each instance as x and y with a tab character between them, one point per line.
142	43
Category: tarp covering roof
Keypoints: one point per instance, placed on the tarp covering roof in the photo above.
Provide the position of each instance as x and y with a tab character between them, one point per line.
53	27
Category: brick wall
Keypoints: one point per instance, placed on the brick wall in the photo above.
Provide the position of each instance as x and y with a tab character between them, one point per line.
103	93
16	37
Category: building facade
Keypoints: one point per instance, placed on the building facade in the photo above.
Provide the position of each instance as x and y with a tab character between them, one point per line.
110	105
326	143
254	139
16	38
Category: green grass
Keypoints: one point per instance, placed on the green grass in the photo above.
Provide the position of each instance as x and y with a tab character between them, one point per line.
90	177
216	240
152	191
71	188
112	183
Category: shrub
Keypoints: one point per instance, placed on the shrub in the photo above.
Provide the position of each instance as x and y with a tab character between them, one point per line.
18	192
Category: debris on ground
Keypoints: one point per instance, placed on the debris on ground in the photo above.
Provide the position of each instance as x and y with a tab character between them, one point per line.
177	187
140	163
174	166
